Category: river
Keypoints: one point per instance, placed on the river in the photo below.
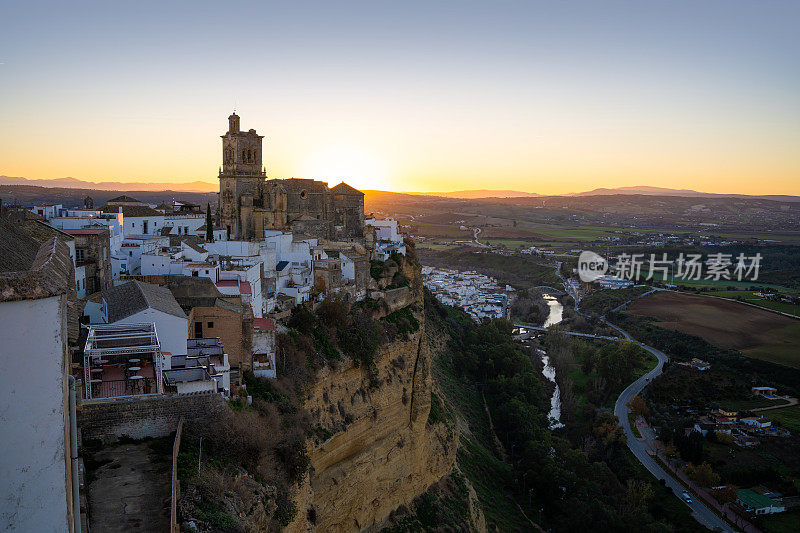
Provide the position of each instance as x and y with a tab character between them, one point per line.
555	316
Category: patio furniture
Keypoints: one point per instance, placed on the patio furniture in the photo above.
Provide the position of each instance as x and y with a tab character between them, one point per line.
97	371
134	361
136	382
96	386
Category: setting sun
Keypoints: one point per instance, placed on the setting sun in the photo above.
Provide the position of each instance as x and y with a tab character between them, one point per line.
359	166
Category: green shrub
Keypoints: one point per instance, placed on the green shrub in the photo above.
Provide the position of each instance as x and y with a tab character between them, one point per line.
405	321
435	414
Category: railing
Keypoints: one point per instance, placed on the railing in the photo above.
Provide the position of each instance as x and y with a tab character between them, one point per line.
121	387
176	486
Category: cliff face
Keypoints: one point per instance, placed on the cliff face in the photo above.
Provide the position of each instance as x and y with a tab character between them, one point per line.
376	450
382	453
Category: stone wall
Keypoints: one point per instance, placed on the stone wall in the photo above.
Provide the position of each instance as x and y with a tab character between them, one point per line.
146	416
395	298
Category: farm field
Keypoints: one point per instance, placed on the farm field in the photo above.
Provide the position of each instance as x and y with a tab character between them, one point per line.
789	417
751	297
724	284
756	333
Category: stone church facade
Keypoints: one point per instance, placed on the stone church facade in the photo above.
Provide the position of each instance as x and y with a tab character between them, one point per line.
249	203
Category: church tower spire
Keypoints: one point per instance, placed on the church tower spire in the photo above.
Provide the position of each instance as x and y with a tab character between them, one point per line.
233	123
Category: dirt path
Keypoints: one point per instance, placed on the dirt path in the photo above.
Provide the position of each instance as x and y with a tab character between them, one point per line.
792	401
130	491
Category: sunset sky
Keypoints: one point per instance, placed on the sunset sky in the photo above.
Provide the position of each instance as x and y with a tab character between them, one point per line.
548	97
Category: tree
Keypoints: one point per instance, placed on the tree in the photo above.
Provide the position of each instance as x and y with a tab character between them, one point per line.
702	474
209	224
638	407
725	494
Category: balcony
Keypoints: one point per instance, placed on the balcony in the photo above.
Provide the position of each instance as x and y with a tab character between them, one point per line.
121	361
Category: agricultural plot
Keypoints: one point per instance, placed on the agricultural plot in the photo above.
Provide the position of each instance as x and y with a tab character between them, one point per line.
756	333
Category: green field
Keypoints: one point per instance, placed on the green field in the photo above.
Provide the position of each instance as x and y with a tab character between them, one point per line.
788	522
788	418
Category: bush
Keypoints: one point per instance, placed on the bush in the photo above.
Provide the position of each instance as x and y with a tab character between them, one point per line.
362	338
435	414
405	321
286	508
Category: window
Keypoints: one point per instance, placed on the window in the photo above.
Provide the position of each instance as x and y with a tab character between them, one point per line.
206	271
130	254
198	330
79	254
210	324
144	226
195	273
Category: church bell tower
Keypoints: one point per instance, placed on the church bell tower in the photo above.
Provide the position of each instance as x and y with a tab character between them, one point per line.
241	180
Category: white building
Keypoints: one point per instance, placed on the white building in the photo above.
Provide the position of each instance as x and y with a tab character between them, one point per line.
129	259
613	282
264	347
48	211
36	469
385	230
205	367
758	422
185	223
85	218
135	302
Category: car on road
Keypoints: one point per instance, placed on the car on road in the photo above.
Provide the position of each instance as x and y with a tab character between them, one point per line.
686	497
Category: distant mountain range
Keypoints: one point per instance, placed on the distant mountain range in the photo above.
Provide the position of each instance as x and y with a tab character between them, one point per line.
479	193
476	194
74	183
662	191
638	189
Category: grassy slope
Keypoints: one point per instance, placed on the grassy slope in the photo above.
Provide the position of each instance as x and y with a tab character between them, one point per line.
477	456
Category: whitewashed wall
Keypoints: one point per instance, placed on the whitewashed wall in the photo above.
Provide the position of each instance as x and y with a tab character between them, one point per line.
33	490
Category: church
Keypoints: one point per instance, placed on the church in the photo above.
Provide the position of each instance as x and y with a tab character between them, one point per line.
249	203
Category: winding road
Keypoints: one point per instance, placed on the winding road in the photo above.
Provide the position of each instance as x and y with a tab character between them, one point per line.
700	511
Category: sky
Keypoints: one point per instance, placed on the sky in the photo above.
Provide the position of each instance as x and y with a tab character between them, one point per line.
548	97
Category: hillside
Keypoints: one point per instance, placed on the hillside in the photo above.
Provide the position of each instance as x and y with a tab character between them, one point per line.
28	195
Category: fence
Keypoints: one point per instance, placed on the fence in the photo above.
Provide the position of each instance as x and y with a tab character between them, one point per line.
122	387
176	486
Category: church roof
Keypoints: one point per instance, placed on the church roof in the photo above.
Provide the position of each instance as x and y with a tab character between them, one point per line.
344	188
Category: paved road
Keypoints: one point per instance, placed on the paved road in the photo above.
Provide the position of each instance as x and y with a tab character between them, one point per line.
701	512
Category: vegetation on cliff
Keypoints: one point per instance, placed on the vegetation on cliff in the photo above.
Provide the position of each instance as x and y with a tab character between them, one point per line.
241	470
265	442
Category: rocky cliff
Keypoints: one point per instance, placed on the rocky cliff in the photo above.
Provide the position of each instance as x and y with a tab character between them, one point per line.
376	450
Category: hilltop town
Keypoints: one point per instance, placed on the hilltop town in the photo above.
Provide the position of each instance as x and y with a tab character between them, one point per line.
135	318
